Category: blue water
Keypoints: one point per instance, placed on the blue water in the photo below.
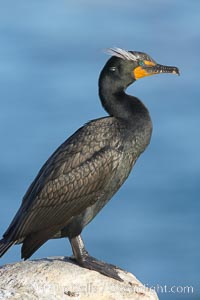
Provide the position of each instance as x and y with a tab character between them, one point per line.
51	53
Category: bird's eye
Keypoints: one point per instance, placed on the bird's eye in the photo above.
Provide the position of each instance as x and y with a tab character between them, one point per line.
141	63
112	69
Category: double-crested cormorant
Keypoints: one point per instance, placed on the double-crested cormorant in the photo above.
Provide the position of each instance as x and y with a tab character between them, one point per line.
84	173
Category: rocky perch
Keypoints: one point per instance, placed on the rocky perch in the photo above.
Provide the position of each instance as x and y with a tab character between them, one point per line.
60	278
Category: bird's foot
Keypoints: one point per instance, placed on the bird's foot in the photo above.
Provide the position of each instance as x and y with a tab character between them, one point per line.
91	263
82	257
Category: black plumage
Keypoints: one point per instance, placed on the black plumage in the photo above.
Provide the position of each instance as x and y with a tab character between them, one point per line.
89	167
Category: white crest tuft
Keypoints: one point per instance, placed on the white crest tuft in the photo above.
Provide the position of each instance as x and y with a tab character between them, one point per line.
121	53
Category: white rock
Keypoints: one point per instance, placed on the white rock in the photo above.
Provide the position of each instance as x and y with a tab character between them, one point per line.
59	278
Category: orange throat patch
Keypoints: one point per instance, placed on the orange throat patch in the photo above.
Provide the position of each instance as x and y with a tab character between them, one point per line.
139	72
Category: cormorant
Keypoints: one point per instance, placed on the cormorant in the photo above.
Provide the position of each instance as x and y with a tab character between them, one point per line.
83	174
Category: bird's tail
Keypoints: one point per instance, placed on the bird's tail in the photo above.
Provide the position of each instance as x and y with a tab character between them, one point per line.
4	246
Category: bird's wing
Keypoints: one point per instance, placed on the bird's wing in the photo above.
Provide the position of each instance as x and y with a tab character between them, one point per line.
73	178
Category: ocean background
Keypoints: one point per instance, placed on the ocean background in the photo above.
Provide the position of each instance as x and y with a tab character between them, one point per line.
51	54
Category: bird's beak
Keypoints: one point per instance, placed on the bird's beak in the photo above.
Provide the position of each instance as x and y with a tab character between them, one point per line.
151	68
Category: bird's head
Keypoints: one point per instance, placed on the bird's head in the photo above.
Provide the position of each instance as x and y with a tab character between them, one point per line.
124	67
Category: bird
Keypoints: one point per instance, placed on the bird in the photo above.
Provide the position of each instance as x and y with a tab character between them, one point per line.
84	173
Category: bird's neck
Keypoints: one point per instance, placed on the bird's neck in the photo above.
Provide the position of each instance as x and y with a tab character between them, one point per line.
118	104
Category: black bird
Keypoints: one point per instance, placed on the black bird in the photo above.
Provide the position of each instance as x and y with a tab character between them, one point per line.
85	172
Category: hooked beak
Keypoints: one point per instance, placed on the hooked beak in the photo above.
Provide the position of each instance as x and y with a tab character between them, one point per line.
151	68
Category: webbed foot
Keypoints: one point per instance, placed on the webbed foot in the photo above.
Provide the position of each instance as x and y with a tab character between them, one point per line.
83	259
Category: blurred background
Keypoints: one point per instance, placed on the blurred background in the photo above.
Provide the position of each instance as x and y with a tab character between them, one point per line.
51	54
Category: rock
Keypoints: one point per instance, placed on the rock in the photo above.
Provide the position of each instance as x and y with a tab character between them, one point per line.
59	278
